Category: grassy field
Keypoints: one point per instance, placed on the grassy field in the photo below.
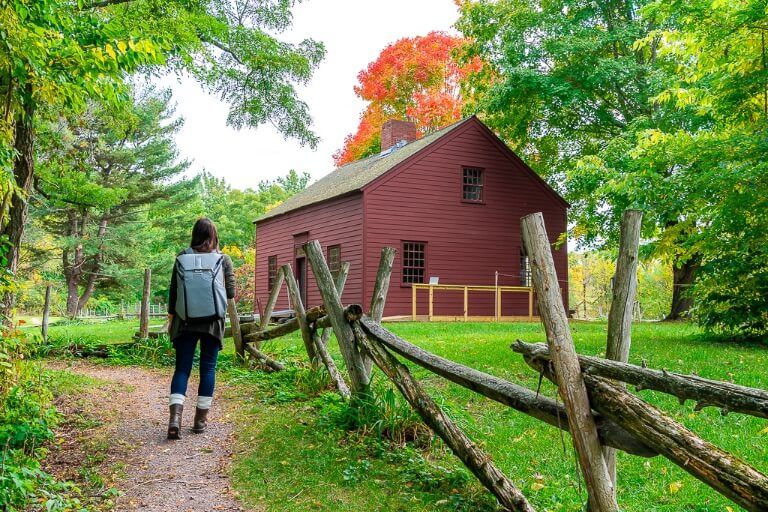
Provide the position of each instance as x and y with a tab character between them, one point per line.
112	331
292	455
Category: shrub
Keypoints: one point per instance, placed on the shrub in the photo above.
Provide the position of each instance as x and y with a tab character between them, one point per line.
26	422
731	294
382	413
26	418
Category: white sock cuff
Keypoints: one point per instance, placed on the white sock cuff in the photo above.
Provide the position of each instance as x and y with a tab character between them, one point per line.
204	402
176	399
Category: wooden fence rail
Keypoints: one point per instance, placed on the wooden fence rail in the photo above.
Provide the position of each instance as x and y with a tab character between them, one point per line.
605	415
705	392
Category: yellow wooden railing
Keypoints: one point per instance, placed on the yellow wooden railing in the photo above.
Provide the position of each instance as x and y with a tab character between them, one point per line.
496	290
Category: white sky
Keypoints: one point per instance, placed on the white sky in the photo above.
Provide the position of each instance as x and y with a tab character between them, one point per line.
354	32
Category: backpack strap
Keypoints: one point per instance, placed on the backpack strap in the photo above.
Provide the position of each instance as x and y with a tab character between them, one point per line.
219	263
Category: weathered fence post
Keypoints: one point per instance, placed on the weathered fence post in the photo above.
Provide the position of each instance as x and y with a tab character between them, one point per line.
624	288
321	342
620	314
567	371
46	313
359	378
468	452
380	289
301	313
340	282
144	320
237	335
274	293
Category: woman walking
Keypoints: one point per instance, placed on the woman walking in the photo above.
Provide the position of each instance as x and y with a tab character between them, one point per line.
201	283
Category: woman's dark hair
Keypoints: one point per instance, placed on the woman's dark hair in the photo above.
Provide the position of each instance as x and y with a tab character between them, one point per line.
204	236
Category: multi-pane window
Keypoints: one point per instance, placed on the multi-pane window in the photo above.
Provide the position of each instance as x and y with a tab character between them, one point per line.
414	262
525	269
472	184
334	259
271	271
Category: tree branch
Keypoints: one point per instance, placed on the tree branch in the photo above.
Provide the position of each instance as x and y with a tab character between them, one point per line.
105	3
221	47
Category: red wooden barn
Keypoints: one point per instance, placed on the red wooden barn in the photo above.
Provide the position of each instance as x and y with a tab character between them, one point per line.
450	202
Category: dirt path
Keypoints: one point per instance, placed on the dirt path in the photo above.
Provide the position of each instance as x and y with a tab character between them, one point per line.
155	474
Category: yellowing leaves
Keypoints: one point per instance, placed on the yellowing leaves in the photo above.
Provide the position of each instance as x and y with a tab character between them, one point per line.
538	484
232	251
675	487
764	431
99	54
110	51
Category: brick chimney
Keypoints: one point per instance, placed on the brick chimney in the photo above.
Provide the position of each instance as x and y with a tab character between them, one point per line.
394	131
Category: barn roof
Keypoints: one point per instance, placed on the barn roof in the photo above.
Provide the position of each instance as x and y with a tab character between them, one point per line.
356	175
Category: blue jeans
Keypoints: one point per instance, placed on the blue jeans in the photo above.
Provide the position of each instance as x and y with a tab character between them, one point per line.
185	345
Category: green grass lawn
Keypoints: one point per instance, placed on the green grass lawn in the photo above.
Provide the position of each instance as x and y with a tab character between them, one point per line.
290	456
291	446
100	331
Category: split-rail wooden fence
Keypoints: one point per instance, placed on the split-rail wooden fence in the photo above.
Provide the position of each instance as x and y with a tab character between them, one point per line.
596	408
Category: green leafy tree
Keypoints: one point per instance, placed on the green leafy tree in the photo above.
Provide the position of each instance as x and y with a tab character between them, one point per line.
658	105
718	50
570	87
55	53
100	168
51	54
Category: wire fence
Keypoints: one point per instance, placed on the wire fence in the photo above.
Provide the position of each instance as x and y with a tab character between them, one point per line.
126	310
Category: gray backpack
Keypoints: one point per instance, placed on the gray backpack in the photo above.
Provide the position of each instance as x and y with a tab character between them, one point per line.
201	295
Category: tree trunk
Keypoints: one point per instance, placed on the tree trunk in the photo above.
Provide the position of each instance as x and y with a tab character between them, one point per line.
73	266
683	275
23	172
95	266
72	295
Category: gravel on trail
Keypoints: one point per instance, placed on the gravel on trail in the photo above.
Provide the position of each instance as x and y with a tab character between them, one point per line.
189	474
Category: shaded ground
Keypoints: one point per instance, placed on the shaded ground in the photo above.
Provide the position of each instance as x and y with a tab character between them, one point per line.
114	438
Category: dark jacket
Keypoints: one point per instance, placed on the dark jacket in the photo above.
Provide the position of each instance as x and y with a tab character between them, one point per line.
216	327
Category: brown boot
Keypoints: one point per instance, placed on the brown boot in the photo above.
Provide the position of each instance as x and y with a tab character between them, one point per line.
174	423
201	420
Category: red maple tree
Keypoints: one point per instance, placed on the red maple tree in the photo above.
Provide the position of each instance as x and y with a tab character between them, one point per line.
415	78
